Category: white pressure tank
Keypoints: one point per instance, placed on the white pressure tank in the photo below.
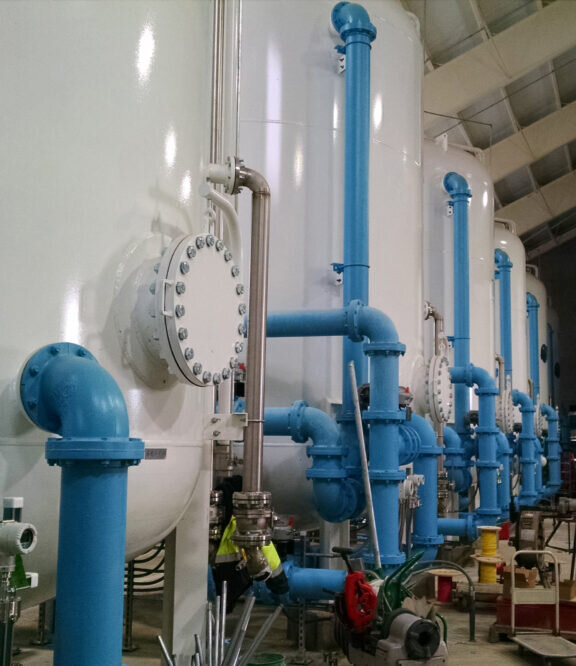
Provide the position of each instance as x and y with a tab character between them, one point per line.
439	159
292	117
106	122
535	287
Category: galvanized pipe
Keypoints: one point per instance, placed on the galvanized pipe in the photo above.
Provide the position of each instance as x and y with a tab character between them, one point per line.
258	307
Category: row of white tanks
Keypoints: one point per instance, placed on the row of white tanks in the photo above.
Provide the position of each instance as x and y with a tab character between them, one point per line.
105	142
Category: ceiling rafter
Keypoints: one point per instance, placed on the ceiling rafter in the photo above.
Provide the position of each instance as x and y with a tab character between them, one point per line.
500	60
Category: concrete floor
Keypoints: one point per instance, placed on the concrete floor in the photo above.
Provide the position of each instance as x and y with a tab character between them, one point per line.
148	612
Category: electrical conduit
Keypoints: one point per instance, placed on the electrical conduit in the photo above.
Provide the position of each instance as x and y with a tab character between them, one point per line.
65	391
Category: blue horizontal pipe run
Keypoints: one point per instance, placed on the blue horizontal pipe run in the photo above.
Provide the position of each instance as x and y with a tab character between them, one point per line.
528	495
532	307
465	526
554	451
66	391
487	464
313	584
503	268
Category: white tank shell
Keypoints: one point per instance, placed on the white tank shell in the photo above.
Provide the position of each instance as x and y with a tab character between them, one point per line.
292	130
535	287
105	132
506	239
438	247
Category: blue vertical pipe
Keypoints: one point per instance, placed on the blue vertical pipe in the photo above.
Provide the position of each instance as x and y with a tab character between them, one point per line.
532	307
66	392
554	451
425	536
528	495
460	194
455	461
487	464
503	269
353	24
504	494
384	417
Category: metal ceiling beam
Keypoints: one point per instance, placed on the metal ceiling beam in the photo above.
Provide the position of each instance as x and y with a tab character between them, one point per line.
550	245
532	142
500	60
539	207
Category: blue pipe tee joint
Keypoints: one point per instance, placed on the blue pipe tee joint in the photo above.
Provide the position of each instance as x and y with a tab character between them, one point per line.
65	391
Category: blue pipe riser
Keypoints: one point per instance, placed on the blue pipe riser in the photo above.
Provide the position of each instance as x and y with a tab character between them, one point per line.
528	495
532	307
486	432
455	461
554	451
426	537
460	194
93	511
64	390
503	270
504	494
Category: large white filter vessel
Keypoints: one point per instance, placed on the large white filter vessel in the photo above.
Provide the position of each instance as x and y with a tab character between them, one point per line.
535	287
439	160
106	118
292	130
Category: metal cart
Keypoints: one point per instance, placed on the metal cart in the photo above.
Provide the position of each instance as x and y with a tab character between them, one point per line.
547	645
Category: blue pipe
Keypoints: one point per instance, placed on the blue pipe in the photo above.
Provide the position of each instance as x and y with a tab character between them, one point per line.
460	194
504	495
532	307
554	451
336	496
353	24
503	269
425	536
358	321
313	584
466	526
488	511
65	391
528	495
455	461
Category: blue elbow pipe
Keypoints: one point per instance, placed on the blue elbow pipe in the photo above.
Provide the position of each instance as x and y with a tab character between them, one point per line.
532	307
554	451
457	187
65	391
528	495
488	511
426	537
503	269
337	497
